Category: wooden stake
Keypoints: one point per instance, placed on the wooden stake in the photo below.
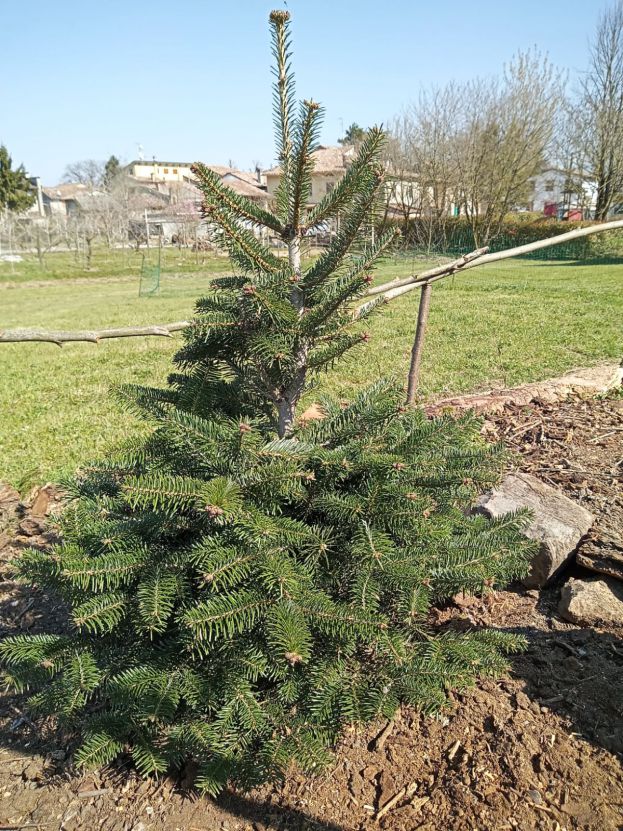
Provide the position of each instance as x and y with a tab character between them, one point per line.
418	343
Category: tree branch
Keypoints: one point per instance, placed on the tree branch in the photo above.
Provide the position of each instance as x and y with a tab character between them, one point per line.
477	258
438	271
390	291
90	336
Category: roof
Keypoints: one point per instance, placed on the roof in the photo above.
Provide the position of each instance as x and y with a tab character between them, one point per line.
251	178
579	174
243	187
62	192
326	160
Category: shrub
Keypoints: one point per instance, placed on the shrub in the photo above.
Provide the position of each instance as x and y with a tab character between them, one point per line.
241	584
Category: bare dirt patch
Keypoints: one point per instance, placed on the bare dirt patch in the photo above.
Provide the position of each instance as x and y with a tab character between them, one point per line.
540	749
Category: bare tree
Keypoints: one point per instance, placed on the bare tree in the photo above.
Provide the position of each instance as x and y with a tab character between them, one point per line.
87	172
568	155
421	157
39	235
476	146
402	196
505	130
599	110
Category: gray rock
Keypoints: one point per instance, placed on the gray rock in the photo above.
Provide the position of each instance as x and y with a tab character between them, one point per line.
604	553
558	523
591	602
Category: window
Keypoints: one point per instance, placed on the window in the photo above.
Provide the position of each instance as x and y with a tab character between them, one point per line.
166	169
330	186
174	170
550	185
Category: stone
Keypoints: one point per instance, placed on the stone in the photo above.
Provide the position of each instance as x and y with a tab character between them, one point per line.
604	554
584	382
32	526
558	522
591	602
41	500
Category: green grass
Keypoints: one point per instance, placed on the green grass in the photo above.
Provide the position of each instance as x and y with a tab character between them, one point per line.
106	263
504	324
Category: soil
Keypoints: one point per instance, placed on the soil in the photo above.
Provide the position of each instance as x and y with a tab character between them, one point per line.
539	749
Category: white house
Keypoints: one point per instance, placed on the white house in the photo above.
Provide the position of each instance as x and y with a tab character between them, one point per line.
563	194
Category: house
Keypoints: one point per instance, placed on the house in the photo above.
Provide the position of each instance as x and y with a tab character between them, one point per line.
404	196
245	184
330	165
175	181
160	196
166	174
64	200
174	184
36	209
563	194
159	172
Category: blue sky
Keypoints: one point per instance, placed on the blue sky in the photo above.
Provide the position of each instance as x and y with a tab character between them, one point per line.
190	79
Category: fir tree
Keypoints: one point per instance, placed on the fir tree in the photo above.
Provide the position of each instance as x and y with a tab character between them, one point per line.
353	135
16	191
241	585
112	169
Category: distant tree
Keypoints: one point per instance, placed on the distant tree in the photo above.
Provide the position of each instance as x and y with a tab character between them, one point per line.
16	191
87	172
354	135
112	169
506	129
600	110
422	166
478	145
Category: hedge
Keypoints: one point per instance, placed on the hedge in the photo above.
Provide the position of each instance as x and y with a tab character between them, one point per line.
457	238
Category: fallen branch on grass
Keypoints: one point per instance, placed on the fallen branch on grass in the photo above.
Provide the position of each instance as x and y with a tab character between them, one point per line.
395	288
390	291
90	336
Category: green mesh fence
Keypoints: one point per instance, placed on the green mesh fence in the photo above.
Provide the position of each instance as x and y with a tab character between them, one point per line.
598	248
150	278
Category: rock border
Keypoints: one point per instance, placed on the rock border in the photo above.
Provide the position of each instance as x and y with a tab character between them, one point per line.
587	383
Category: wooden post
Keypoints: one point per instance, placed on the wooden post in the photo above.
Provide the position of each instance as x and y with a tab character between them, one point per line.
147	228
418	343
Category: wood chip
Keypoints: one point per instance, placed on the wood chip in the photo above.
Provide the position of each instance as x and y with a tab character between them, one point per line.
19	827
378	743
89	794
454	750
404	793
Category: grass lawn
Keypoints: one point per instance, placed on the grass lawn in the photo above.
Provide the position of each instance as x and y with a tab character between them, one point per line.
501	324
106	262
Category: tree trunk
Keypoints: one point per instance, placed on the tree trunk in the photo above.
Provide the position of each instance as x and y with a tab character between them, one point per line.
290	396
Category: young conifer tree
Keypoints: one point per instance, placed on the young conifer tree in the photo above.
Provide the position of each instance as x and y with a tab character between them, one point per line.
241	585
